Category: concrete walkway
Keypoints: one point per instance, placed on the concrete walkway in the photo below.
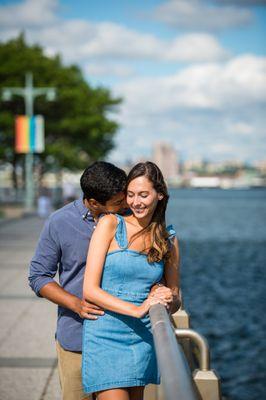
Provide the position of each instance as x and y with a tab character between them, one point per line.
27	353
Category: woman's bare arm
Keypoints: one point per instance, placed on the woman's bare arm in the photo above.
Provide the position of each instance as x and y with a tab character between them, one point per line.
172	275
92	291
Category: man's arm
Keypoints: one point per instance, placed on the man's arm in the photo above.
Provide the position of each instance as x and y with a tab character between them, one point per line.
43	269
55	293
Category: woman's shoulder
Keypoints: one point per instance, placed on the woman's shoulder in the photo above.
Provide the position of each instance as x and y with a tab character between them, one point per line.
108	221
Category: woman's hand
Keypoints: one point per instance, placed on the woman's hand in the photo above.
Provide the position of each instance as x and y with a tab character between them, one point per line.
171	296
146	305
163	293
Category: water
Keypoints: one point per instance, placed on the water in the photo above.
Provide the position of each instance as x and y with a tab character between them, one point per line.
222	237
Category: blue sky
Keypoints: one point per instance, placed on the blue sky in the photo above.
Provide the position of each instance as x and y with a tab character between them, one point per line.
191	72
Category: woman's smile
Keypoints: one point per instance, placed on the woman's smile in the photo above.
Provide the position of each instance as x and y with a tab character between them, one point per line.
138	209
142	198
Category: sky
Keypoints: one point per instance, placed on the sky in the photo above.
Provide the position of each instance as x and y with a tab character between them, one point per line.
191	72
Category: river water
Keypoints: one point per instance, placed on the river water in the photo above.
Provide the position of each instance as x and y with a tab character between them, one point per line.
222	237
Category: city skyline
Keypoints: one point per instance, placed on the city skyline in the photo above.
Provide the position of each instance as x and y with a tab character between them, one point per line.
191	73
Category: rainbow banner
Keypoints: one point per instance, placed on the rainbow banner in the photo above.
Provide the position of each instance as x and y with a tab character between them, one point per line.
29	134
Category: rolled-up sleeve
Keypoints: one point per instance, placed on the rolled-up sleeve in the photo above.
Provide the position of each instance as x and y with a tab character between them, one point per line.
44	264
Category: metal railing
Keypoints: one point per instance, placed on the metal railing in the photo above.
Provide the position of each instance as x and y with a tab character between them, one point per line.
176	375
180	380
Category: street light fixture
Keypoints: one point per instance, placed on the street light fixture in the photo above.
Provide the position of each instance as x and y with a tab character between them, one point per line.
51	94
6	95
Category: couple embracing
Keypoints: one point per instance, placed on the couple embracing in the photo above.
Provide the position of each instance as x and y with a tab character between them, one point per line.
115	258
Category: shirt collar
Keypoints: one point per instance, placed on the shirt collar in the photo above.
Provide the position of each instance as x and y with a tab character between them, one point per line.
84	211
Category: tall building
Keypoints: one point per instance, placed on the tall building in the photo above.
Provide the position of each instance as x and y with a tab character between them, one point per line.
164	155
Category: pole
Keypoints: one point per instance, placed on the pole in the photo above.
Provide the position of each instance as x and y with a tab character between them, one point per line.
29	157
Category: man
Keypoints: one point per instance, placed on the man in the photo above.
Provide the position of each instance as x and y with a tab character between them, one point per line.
62	248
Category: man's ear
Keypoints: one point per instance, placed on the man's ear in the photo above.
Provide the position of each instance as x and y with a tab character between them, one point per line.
93	204
86	203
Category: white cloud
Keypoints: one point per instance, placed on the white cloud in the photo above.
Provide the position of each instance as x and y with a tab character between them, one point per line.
197	15
219	148
216	86
79	41
113	40
241	128
196	47
108	69
30	13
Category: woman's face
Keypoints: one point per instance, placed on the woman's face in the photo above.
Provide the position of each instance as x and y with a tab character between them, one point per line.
142	198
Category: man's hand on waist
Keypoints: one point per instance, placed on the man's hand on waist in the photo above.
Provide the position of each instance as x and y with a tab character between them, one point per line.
88	310
58	295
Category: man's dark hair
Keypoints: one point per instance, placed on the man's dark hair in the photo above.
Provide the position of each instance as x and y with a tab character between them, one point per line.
101	181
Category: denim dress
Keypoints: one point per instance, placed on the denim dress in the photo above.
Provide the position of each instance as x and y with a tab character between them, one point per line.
118	350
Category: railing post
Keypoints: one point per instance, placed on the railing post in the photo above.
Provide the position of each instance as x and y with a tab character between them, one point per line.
181	320
206	380
208	384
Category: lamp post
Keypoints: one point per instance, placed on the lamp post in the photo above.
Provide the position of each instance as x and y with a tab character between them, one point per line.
29	92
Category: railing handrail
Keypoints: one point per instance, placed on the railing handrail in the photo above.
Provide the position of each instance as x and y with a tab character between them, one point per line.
176	375
201	343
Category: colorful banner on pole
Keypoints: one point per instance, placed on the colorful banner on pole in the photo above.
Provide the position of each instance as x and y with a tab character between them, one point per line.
29	134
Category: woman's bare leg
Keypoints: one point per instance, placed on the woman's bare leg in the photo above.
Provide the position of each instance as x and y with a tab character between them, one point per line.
113	394
136	393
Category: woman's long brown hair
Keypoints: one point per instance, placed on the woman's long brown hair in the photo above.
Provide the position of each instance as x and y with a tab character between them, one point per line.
159	249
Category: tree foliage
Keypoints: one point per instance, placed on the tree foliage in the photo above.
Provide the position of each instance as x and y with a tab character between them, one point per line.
78	127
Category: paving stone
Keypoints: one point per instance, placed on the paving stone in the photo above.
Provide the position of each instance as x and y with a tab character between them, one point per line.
7	277
18	285
33	334
10	312
53	388
23	383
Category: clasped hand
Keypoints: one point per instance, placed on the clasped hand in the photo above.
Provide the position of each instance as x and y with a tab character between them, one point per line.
161	295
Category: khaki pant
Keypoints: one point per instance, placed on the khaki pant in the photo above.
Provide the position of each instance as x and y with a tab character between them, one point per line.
69	368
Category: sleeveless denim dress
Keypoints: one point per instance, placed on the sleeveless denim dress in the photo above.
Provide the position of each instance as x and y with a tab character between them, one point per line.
118	350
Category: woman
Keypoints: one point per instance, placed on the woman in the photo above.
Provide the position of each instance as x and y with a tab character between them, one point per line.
127	256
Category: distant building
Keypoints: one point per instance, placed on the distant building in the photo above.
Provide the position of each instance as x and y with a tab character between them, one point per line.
189	165
205	182
261	166
164	155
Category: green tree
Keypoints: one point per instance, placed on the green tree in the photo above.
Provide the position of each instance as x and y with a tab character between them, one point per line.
78	128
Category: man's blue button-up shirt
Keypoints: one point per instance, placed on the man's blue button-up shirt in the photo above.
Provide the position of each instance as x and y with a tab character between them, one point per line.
62	248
